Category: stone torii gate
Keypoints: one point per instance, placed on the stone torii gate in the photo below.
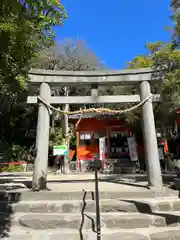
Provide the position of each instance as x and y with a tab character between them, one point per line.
45	79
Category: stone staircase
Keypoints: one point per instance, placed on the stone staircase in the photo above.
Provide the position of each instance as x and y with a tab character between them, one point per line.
71	215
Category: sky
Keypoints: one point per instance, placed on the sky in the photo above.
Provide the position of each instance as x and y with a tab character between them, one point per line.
117	30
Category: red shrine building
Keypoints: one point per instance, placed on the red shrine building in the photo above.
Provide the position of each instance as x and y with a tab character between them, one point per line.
90	128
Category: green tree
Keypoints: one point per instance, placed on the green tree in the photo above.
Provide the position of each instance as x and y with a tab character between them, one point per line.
161	55
26	27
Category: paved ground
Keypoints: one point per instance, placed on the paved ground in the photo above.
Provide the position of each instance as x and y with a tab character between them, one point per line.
89	186
80	181
77	182
85	176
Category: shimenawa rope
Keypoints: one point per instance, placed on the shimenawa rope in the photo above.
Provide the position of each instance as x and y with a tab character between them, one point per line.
95	110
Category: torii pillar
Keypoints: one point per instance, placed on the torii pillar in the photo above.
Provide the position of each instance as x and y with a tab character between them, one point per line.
42	140
150	139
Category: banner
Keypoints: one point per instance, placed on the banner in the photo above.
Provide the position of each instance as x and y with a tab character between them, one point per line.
132	149
102	148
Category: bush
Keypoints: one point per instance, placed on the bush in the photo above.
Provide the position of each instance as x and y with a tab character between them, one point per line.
14	153
12	168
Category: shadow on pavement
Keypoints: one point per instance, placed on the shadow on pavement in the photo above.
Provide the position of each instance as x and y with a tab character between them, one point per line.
83	215
145	208
136	180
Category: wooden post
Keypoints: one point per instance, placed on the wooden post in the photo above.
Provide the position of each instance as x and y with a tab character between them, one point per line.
42	141
66	129
53	122
150	139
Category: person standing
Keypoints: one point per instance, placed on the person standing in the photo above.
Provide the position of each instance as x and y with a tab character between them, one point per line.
60	161
161	158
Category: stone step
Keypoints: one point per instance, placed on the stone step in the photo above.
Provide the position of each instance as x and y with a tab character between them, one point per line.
154	205
27	195
106	205
163	233
72	206
111	220
172	217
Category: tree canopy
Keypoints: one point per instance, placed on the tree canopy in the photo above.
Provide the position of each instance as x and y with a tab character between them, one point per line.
26	28
160	55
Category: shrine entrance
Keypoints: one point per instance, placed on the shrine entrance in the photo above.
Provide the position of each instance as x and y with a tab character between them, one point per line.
91	128
44	80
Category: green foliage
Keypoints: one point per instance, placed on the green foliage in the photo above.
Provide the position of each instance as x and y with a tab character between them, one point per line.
56	138
73	140
161	55
26	28
14	153
12	168
140	62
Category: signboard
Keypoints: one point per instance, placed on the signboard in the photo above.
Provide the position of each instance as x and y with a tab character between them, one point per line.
132	149
102	148
60	150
